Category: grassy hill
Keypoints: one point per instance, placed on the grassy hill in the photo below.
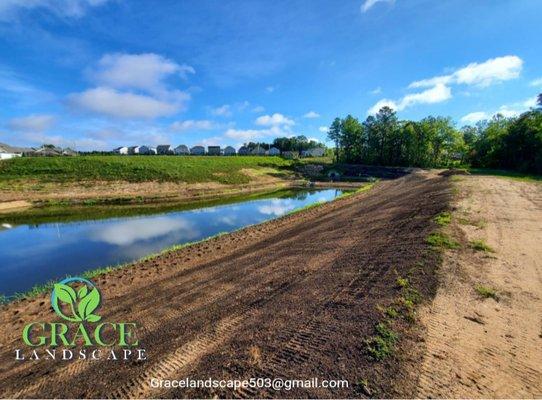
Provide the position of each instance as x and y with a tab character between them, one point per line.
188	169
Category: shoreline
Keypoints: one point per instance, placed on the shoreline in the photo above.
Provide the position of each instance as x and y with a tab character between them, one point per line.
93	273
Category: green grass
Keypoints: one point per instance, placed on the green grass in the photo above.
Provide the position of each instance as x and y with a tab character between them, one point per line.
487	292
439	239
480	245
188	169
443	218
507	174
382	344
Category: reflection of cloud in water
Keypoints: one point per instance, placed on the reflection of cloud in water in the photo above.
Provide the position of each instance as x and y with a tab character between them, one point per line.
129	232
277	207
227	220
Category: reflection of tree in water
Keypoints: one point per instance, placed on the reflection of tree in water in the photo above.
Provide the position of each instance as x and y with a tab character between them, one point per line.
300	195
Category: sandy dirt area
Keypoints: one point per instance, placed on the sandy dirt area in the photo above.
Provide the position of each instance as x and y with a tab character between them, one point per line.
36	192
480	346
294	298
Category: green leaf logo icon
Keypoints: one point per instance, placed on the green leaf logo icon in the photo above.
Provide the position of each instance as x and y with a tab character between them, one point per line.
76	306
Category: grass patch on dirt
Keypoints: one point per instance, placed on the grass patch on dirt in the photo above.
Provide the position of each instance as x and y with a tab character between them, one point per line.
189	169
481	245
487	292
507	174
441	240
382	344
443	218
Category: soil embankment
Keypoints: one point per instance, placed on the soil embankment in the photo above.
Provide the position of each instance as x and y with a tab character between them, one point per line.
295	298
484	336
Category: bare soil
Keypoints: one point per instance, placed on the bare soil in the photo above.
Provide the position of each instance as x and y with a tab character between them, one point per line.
294	298
77	192
484	347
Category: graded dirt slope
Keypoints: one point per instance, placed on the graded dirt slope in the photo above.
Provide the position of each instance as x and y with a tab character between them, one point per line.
481	347
294	298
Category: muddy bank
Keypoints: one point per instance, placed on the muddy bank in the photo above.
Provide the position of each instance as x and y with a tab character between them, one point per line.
295	298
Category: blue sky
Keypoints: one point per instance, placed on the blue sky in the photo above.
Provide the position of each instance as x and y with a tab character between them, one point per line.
96	74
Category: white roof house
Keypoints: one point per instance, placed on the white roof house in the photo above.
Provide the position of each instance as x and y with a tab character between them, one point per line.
197	151
121	150
229	151
152	150
273	151
182	150
143	150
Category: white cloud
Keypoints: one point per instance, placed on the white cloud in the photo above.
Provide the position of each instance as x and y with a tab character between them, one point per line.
377	90
368	4
474	117
252	134
32	123
270	89
10	9
212	141
245	134
133	86
222	111
484	74
192	125
277	207
536	82
274	120
111	102
436	94
311	114
323	129
507	110
258	109
138	71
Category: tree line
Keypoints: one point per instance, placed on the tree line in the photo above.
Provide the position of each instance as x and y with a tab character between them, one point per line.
294	143
382	139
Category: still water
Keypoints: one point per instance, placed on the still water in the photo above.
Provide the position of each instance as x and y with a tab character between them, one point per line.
37	253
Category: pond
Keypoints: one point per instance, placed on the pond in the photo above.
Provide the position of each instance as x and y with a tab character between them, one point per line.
36	253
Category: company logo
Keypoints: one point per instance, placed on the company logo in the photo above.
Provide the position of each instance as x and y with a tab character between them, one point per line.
83	334
81	303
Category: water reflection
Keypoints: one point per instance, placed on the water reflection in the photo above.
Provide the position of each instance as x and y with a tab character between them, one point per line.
33	254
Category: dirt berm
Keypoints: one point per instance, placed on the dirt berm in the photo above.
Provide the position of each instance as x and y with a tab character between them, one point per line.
294	298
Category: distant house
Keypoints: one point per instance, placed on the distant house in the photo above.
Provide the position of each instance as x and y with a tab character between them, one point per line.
213	150
7	151
258	151
197	151
121	150
152	151
314	152
142	150
164	149
182	150
48	151
7	156
133	150
69	152
273	151
229	151
243	151
290	154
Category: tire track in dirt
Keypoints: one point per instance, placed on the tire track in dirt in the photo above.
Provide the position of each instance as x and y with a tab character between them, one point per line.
303	287
481	347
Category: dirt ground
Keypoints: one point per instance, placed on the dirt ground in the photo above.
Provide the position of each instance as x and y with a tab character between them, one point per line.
482	347
293	298
76	192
